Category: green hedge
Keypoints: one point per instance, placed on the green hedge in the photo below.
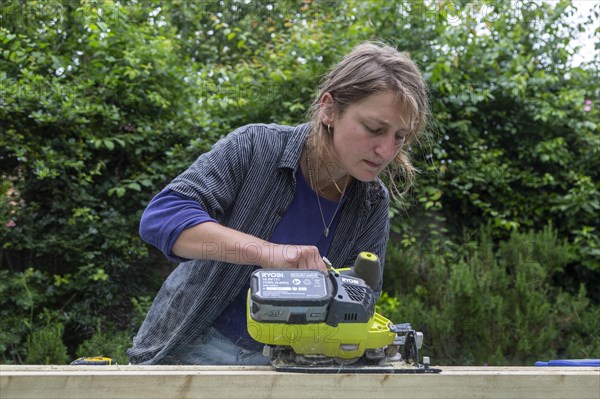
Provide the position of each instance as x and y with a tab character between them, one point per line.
104	102
486	303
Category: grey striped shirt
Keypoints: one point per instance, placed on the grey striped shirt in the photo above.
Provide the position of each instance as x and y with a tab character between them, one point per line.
246	182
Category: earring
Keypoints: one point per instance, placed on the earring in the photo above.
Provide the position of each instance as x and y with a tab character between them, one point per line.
329	129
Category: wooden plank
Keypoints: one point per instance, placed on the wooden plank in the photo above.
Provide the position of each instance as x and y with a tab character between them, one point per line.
261	382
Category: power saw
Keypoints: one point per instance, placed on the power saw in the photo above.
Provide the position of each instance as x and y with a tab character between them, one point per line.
312	322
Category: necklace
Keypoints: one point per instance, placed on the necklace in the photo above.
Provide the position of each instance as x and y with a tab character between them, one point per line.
334	182
316	189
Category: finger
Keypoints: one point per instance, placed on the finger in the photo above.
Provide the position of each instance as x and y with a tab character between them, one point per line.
305	259
321	266
315	261
290	255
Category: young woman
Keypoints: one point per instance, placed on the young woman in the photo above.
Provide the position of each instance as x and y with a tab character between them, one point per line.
276	196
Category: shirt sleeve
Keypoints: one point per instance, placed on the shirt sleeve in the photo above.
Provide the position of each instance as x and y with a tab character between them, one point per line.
167	215
215	178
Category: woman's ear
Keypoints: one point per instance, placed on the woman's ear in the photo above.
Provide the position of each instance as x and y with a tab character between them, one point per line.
327	108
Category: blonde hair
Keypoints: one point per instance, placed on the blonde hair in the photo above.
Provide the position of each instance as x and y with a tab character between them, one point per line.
372	68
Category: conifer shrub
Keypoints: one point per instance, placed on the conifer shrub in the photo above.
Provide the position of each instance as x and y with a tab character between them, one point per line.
486	304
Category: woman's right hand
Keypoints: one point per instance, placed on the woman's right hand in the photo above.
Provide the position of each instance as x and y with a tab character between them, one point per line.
288	256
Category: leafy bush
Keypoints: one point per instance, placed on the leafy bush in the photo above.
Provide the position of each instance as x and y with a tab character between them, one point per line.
112	344
45	346
482	303
104	102
20	297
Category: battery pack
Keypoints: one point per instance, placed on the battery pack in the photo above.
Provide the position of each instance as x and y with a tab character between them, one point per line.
290	296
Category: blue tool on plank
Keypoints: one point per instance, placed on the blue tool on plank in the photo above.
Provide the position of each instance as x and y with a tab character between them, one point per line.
570	363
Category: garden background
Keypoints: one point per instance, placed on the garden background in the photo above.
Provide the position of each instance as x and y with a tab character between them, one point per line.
494	253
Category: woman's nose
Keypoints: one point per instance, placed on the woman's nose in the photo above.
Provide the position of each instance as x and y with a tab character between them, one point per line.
386	146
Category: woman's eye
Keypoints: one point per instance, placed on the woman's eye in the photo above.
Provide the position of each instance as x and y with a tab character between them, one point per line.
373	130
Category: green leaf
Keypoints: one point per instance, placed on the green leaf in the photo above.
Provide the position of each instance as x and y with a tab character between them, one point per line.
134	186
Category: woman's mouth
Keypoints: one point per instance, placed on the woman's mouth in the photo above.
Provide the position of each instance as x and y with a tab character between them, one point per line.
374	165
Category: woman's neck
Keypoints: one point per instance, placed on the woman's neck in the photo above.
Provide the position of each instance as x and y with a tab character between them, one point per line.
322	177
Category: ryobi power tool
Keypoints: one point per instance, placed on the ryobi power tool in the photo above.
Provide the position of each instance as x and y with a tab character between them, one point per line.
312	322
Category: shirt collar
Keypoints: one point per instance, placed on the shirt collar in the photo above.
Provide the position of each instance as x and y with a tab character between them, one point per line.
294	146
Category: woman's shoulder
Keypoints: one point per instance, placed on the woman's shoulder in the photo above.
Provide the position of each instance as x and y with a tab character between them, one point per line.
272	140
257	129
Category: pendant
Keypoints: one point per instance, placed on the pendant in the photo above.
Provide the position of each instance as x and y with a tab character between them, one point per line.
326	231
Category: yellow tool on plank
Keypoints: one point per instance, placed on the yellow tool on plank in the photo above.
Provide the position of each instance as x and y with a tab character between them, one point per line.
93	361
311	322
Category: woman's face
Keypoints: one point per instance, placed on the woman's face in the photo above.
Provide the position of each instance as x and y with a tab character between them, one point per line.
368	135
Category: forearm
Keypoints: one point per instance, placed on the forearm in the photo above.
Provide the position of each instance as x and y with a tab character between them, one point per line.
216	242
